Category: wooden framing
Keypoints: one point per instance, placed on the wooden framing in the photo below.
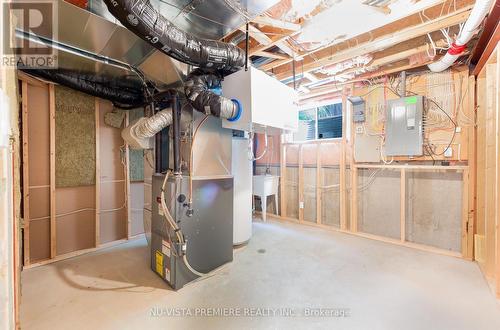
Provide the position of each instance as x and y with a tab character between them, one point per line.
488	170
97	175
283	180
354	199
472	157
402	204
319	182
301	184
53	228
82	252
416	246
466	236
127	185
342	165
26	176
382	42
28	82
266	20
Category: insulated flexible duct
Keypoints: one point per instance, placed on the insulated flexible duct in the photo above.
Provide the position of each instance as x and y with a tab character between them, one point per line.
197	88
140	17
479	11
123	95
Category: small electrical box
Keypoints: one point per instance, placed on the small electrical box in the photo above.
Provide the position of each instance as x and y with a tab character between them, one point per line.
358	109
403	128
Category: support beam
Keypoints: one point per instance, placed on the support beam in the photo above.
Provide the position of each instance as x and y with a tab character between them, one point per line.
271	55
283	179
301	184
97	176
402	206
266	20
319	184
26	177
52	125
257	34
127	183
465	213
342	168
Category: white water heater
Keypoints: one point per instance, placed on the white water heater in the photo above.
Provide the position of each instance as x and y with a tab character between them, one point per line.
242	191
268	106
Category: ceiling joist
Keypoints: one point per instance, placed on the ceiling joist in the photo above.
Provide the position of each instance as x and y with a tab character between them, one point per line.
383	42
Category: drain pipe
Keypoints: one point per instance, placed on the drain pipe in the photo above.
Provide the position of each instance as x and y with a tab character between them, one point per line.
479	11
176	132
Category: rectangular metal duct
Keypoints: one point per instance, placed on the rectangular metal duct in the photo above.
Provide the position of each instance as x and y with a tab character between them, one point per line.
209	19
98	32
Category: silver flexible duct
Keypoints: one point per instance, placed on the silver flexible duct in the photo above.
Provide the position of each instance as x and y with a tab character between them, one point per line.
150	126
139	134
140	17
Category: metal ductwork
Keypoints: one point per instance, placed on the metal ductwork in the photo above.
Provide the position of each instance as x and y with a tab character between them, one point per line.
197	88
124	94
140	17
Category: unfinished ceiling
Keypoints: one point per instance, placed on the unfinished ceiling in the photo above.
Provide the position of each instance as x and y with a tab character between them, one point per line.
318	44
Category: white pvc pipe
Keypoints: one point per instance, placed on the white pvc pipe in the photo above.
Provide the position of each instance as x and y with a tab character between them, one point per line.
479	11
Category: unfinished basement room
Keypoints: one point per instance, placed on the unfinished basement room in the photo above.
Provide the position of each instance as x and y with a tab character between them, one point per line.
250	164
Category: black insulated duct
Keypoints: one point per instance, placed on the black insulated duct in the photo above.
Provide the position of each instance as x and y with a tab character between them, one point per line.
197	88
140	17
124	94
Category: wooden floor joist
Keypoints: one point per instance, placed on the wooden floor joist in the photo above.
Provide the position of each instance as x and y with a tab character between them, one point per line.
383	42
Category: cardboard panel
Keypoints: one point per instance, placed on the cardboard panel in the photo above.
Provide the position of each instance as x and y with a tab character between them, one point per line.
39	240
75	231
39	202
38	140
113	226
112	195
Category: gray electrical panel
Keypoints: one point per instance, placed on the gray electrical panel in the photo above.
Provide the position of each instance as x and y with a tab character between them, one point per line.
403	127
358	109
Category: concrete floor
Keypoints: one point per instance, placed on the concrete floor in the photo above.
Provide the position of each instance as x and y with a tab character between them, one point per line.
284	266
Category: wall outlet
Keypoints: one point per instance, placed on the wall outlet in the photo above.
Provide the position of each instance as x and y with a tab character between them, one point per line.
458	129
301	205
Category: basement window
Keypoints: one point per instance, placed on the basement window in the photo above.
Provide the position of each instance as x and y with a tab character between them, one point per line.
318	123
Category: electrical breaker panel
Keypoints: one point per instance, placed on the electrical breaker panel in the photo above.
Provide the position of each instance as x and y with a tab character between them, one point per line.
403	128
